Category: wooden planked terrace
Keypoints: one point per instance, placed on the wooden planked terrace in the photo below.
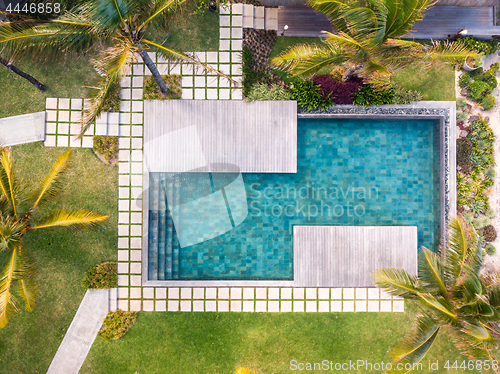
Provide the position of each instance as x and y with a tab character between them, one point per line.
182	135
438	23
345	256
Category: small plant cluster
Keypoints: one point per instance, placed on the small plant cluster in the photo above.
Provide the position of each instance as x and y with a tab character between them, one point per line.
257	46
475	159
112	102
212	5
106	147
116	324
308	95
152	91
369	96
101	276
480	84
486	47
261	91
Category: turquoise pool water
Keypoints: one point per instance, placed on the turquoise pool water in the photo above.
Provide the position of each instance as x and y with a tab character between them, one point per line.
349	172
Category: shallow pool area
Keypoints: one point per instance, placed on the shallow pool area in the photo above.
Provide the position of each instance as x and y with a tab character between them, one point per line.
350	172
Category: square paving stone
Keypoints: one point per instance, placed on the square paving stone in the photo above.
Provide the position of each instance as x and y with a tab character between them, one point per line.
212	94
124	129
136	118
148	305
173	305
348	293
126	82
198	293
135	255
122	280
225	21
385	305
235	293
211	293
210	306
224	94
311	306
135	280
50	141
122	293
236	45
224	57
324	306
198	306
286	293
135	292
236	306
224	45
398	306
360	305
185	305
74	142
51	115
135	268
137	106
261	293
273	293
248	293
273	306
261	306
187	81
137	94
348	306
298	306
185	293
161	293
336	306
373	293
237	32
199	94
223	293
64	104
63	116
122	255
311	293
237	8
51	103
248	306
373	305
113	129
63	141
298	293
125	94
161	306
50	128
173	293
286	306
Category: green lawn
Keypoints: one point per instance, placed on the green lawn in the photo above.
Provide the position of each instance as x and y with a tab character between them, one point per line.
63	79
189	31
185	343
436	84
30	340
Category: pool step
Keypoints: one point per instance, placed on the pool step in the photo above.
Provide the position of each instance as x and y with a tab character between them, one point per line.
175	240
153	230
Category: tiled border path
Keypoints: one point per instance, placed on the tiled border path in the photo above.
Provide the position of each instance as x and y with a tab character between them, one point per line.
62	124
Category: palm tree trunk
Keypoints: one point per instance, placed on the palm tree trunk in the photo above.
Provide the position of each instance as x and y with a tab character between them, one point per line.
154	71
21	73
350	72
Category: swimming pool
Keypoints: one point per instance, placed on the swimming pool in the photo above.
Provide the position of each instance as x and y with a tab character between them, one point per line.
364	172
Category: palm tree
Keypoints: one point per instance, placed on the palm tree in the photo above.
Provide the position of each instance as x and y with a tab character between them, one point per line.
367	41
18	204
117	28
451	295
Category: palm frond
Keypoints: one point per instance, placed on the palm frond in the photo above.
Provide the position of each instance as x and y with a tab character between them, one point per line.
333	10
161	6
412	348
306	60
25	285
431	272
179	56
115	63
244	370
439	306
109	13
450	52
11	233
8	302
397	282
51	184
8	183
473	341
72	219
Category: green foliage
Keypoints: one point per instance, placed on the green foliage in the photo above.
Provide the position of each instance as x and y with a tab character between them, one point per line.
308	96
461	103
107	146
152	91
101	276
203	5
481	46
404	96
477	206
490	249
112	102
461	116
368	96
478	89
116	324
494	68
488	102
465	80
262	91
490	173
251	76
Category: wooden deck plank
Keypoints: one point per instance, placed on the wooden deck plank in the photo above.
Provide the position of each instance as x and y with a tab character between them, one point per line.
257	137
438	22
345	256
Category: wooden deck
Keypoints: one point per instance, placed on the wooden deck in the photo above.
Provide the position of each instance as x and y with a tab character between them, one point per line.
302	21
438	23
345	256
181	135
441	21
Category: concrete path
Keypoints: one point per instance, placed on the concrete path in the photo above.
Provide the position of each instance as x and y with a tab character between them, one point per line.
26	128
82	332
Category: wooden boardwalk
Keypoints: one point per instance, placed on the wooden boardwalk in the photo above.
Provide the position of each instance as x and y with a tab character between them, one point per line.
438	23
345	256
181	135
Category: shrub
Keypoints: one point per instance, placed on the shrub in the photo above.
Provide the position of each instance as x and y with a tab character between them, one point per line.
490	249
101	276
490	233
461	116
152	91
464	151
251	76
368	96
308	96
494	68
477	207
481	46
477	89
465	80
116	324
488	78
262	91
490	173
337	92
461	103
488	102
106	146
404	96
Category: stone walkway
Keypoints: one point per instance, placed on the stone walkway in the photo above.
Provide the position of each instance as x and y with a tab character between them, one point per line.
26	128
82	332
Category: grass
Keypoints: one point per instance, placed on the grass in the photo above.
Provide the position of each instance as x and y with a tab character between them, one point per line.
63	79
30	340
436	84
189	31
217	343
